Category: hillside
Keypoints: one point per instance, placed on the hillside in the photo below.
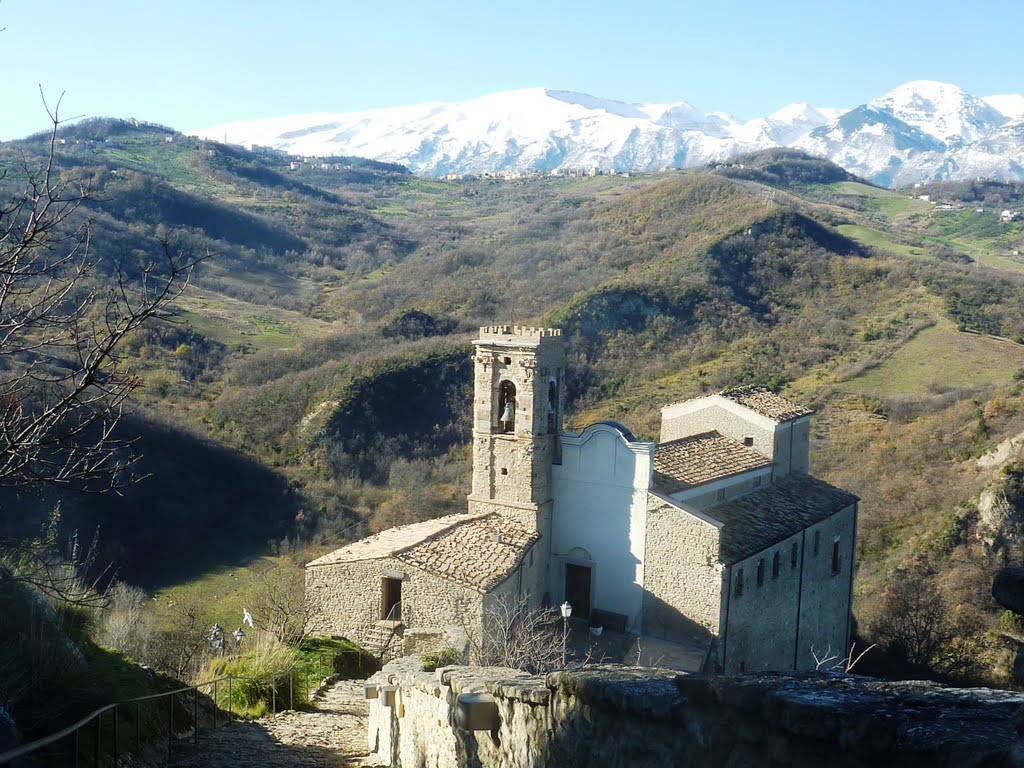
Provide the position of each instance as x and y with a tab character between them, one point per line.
323	349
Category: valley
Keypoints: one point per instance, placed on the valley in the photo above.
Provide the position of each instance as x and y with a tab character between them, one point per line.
313	386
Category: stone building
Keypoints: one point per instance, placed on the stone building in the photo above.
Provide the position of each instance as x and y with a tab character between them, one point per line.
715	536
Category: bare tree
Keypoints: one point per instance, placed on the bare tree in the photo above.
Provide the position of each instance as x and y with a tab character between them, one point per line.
278	604
517	636
63	384
915	623
829	661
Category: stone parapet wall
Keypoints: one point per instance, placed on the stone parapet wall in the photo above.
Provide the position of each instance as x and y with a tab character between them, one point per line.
638	717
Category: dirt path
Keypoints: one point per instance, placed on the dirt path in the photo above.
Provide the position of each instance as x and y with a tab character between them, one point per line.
333	735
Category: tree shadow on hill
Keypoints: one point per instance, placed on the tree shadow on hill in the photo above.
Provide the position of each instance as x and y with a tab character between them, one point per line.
197	505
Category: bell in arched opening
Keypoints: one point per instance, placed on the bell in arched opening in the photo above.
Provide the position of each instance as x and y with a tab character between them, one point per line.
507	406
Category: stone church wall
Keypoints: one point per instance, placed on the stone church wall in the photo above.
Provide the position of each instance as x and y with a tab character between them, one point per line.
648	718
343	598
682	577
805	610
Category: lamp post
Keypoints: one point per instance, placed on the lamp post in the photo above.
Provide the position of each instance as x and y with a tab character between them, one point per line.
566	610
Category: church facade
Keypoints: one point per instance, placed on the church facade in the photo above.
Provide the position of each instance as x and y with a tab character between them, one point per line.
715	536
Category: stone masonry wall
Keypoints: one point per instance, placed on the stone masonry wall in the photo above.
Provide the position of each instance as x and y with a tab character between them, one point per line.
640	717
762	619
682	578
343	597
728	423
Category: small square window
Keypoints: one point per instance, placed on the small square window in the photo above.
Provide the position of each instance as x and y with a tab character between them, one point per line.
504	471
748	441
507	361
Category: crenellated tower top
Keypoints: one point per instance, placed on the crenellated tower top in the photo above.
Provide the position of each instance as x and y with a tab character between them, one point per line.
516	333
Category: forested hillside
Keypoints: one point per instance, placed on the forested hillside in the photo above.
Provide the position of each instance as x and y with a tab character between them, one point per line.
316	382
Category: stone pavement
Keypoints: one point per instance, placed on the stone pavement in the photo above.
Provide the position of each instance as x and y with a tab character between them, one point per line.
331	736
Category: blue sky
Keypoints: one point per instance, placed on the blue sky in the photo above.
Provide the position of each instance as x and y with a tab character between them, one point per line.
194	63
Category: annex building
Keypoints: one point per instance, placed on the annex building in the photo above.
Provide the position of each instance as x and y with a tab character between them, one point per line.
715	534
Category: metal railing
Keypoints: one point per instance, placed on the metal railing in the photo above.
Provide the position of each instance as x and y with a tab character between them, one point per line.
88	745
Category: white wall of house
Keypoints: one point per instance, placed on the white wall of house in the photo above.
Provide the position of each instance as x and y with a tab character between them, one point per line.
600	517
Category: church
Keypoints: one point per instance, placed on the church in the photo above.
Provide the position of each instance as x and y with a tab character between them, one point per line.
715	535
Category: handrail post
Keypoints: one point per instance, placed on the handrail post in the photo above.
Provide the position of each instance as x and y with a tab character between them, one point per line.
230	680
291	689
116	751
216	706
138	726
273	698
96	746
77	744
195	715
170	722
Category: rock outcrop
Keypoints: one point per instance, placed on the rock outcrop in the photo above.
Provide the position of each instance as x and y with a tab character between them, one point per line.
1008	588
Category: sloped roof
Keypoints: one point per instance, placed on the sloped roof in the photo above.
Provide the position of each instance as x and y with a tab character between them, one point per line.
765	402
756	521
697	459
478	551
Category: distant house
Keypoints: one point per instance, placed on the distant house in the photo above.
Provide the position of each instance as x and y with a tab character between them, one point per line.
714	538
1009	215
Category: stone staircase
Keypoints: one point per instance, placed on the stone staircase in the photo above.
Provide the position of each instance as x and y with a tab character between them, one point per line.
382	639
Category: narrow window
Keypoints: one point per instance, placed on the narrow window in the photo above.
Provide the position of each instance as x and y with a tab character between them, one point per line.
720	494
757	481
760	572
793	555
836	559
817	542
743	667
739	582
775	565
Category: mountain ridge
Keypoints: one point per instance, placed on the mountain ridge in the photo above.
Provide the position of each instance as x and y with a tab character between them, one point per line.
921	130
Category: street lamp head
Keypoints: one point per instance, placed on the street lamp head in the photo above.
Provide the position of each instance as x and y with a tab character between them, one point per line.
566	609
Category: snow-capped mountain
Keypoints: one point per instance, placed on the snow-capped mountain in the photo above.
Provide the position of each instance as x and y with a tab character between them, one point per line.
920	130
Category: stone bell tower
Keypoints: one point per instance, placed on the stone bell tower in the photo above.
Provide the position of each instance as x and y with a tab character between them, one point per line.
519	382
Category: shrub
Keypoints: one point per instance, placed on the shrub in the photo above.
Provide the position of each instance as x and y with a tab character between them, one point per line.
444	658
259	671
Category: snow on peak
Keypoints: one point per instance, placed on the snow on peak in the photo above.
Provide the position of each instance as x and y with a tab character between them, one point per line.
917	130
1009	104
942	110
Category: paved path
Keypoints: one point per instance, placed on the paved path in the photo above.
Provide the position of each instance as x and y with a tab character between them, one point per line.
331	736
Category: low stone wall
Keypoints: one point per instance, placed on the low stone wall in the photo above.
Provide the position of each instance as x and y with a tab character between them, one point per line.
637	716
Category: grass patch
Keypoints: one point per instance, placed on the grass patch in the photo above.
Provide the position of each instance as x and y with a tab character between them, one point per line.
875	238
940	358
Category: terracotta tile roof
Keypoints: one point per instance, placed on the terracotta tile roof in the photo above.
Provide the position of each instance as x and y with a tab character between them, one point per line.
478	551
754	522
766	403
691	461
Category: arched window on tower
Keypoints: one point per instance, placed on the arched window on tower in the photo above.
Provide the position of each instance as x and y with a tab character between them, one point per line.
507	407
552	407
